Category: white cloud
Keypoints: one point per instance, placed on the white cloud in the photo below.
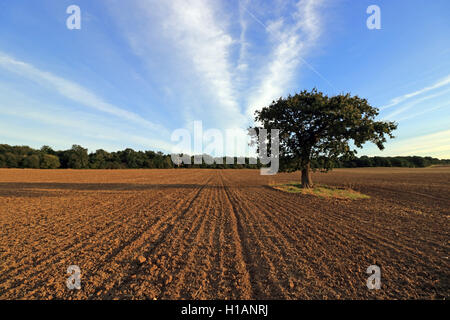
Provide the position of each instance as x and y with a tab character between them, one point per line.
413	115
197	29
65	124
218	60
443	82
291	43
73	91
411	104
242	66
194	35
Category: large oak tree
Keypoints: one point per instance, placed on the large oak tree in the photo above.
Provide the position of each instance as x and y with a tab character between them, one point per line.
315	127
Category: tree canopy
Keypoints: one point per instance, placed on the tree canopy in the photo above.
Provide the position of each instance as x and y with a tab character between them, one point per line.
315	127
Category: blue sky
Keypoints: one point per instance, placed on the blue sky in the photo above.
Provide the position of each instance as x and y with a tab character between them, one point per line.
139	69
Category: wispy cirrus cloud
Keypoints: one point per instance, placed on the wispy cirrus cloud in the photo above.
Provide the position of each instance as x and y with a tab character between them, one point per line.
242	66
396	101
415	102
423	112
90	130
198	45
200	31
291	43
72	91
65	126
212	51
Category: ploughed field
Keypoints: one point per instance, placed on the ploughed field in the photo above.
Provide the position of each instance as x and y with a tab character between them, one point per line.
222	234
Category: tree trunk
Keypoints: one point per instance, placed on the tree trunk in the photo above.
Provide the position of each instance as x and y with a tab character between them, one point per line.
306	177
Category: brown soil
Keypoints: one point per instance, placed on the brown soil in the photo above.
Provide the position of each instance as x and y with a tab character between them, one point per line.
222	234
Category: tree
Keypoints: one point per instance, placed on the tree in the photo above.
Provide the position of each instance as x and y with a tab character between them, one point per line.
313	126
49	161
99	159
77	157
47	150
31	162
12	160
364	161
3	161
419	162
130	158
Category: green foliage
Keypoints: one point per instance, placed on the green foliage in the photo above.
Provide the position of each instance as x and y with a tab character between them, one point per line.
317	128
50	161
31	161
3	161
47	150
12	160
408	162
99	159
75	158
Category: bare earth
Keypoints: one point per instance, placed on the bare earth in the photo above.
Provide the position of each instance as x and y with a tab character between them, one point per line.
222	234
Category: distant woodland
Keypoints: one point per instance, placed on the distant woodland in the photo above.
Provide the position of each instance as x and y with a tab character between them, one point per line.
78	158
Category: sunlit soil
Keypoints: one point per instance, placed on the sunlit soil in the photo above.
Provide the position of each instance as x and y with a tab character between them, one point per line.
222	234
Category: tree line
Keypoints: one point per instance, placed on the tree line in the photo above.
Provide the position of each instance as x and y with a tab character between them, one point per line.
78	158
408	162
